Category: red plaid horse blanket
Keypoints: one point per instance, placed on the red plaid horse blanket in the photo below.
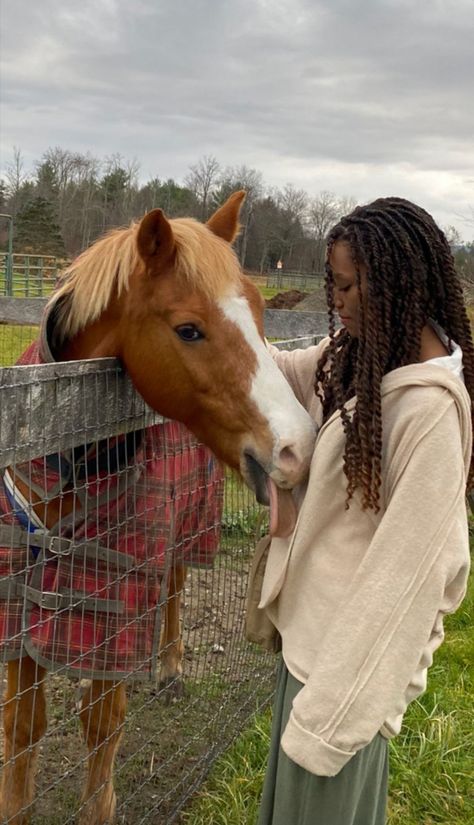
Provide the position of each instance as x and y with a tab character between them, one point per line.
84	596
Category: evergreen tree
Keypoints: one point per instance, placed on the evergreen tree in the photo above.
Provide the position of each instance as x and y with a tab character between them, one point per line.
37	229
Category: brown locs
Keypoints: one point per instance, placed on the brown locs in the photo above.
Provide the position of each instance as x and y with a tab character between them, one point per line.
410	278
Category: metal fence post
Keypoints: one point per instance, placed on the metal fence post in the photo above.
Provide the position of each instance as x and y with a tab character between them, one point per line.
9	257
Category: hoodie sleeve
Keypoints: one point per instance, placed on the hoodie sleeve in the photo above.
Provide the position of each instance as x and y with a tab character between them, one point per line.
414	571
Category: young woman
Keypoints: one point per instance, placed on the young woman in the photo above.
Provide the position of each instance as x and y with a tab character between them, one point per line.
380	550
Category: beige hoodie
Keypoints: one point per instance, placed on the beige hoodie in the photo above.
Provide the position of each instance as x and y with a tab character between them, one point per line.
359	597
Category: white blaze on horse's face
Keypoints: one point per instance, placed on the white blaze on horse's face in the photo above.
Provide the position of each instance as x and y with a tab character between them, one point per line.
292	429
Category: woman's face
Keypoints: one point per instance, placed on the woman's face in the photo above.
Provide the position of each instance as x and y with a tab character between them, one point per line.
345	287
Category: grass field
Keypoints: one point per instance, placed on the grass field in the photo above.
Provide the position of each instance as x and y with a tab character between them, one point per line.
32	287
13	341
431	761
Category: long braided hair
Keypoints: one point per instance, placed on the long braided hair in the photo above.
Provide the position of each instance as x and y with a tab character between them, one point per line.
410	278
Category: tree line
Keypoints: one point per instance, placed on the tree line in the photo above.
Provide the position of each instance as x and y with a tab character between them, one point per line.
69	199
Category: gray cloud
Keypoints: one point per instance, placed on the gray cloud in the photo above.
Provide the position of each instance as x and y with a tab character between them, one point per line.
364	98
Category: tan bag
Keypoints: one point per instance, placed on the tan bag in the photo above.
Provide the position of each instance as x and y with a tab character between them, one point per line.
258	627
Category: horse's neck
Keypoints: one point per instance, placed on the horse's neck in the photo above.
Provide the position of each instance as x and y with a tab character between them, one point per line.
98	340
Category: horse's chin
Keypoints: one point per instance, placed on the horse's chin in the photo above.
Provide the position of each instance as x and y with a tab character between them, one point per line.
283	513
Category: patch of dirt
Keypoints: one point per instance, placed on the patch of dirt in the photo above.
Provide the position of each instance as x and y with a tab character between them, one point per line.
314	301
285	300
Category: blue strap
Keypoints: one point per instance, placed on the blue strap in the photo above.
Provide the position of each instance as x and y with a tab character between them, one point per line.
22	519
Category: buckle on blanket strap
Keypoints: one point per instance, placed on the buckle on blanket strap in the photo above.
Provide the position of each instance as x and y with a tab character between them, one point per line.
59	546
65	599
12	535
45	599
70	599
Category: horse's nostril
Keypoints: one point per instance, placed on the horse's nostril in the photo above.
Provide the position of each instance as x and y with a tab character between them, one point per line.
288	457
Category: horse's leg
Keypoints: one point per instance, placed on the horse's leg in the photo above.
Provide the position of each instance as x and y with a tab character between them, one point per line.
24	722
171	643
102	715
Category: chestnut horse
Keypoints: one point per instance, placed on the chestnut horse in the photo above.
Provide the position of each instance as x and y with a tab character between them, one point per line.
168	298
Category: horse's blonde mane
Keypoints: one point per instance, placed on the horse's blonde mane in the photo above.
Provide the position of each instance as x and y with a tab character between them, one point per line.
87	286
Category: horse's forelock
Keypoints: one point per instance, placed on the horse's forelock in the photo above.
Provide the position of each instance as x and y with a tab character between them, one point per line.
86	287
205	261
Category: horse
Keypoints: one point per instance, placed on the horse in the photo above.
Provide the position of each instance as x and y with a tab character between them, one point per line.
168	298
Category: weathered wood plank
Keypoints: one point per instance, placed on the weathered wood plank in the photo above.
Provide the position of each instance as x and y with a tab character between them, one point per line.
289	323
298	343
21	310
53	407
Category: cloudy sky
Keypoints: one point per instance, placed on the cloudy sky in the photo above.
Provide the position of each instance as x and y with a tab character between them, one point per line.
360	97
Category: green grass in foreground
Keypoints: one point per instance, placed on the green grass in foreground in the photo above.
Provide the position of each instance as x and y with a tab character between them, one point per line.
431	762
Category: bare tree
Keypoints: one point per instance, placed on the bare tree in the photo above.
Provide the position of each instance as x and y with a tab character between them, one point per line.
293	201
69	181
202	180
324	211
292	204
453	237
231	180
266	234
16	177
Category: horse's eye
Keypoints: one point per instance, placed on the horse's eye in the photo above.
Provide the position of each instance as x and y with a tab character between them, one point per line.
189	333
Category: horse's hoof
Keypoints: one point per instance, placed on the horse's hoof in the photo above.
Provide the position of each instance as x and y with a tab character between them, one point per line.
171	690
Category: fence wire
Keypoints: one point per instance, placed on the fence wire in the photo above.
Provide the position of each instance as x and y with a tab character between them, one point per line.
14	339
124	556
90	597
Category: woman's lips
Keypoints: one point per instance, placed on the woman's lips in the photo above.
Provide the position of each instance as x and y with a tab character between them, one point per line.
344	319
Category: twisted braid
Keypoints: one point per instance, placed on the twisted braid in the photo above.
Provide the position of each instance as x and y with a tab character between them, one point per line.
410	278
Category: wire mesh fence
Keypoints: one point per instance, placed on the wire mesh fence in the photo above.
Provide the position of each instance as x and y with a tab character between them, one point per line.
124	554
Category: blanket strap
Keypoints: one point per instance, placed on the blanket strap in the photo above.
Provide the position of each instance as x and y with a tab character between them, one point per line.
12	535
65	599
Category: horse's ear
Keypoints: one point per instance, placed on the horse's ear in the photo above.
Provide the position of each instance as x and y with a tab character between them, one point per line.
225	222
155	237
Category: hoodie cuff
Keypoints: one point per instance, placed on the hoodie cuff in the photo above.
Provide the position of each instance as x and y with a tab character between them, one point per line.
311	752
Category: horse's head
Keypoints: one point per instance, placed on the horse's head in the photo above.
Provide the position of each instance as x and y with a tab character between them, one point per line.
169	298
194	347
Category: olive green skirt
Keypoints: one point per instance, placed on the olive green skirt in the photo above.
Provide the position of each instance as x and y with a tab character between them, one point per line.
293	796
